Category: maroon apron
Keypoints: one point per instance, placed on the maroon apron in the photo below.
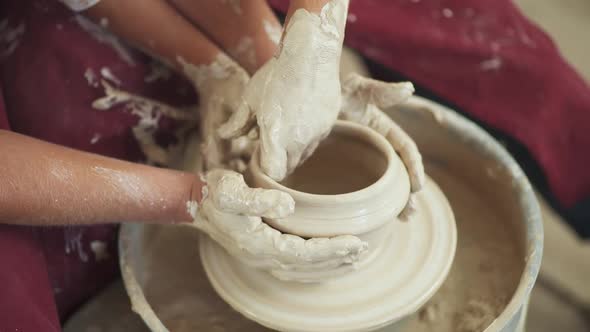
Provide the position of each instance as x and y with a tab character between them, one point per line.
481	56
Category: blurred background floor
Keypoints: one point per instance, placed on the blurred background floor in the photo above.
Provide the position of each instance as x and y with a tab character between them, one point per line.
561	299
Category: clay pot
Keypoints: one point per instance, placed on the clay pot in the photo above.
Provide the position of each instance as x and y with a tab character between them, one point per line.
354	184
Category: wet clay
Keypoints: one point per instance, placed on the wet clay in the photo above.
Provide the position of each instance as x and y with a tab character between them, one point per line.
487	267
484	275
341	164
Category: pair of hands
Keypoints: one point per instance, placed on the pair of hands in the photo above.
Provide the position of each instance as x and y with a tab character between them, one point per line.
289	105
231	213
287	108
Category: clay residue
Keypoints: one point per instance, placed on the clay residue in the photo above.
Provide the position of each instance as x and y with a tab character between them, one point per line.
273	31
95	138
91	78
10	37
246	50
129	183
221	68
99	248
486	270
73	244
106	73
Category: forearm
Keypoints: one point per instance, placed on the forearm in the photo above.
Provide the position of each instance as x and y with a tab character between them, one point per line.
157	28
248	30
47	184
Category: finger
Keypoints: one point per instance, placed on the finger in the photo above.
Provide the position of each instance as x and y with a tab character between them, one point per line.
409	209
112	97
266	203
386	95
238	124
242	146
273	156
229	193
347	247
408	151
317	251
401	142
292	249
251	39
382	94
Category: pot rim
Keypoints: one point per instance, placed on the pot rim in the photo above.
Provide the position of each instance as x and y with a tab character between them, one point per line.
348	128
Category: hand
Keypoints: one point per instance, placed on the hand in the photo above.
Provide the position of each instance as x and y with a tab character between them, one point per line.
295	97
230	213
48	184
220	86
195	41
363	99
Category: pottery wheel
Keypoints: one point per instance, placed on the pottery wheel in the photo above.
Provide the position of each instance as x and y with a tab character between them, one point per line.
406	273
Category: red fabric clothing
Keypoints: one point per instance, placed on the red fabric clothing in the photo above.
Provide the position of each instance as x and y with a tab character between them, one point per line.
26	299
25	292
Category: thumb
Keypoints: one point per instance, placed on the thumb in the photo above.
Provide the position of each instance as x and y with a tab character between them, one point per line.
229	193
238	124
381	94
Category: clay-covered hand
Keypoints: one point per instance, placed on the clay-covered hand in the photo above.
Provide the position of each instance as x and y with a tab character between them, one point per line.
296	96
363	101
231	214
220	86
